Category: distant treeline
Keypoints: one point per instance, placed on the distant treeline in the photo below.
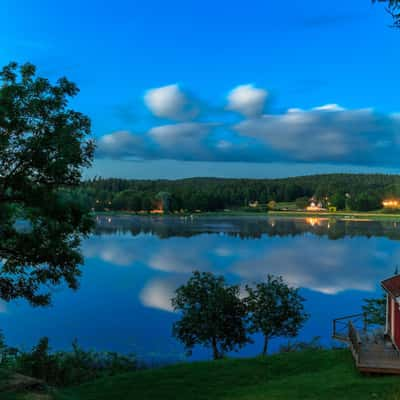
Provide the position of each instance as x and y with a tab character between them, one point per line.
359	192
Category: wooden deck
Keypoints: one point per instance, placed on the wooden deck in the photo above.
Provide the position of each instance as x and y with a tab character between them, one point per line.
372	353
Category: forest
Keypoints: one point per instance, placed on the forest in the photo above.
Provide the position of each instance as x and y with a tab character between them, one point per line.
357	192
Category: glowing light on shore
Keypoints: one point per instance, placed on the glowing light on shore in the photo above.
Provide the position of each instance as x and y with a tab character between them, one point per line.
391	203
157	211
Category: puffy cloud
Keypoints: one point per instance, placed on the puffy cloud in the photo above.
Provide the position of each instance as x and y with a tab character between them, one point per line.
329	107
182	141
171	102
123	250
159	292
176	256
325	270
327	134
247	100
119	144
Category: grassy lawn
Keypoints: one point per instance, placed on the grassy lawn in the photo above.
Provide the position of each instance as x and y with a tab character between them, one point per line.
306	375
290	212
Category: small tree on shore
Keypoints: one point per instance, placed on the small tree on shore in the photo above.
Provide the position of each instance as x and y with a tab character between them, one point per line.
275	309
375	311
213	314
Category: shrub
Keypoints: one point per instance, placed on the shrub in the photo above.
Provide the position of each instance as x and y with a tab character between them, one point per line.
292	346
65	368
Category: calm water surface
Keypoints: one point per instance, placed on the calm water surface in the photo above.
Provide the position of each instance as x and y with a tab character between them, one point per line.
134	264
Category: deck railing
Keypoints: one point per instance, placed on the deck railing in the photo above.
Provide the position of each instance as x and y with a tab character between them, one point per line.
372	351
355	341
341	326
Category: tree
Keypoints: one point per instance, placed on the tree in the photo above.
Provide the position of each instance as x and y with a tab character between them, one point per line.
164	199
393	8
365	201
43	147
275	309
127	200
338	200
302	202
212	314
375	311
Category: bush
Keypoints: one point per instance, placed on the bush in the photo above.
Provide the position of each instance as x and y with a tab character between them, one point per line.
65	368
292	346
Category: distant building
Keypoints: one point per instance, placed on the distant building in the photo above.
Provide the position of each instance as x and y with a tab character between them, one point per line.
315	205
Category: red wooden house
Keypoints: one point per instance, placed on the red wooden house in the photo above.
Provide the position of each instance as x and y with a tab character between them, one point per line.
374	351
392	327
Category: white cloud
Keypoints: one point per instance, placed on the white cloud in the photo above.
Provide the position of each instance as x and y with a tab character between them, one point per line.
247	100
176	256
326	270
326	134
122	250
159	292
171	102
185	139
120	143
329	107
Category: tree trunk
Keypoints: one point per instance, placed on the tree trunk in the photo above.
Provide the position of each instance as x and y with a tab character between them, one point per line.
215	349
265	348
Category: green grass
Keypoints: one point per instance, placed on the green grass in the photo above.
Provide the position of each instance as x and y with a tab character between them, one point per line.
308	375
289	213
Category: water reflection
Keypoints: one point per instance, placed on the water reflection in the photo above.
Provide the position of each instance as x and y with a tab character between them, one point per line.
298	249
248	227
133	265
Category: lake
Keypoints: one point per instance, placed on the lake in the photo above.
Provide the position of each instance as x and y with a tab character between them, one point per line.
134	264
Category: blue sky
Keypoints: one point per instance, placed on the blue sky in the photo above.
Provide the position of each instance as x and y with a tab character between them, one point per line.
218	88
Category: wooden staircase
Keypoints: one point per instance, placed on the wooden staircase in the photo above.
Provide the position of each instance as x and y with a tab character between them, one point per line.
371	353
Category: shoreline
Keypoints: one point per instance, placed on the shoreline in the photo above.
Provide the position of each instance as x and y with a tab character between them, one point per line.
345	215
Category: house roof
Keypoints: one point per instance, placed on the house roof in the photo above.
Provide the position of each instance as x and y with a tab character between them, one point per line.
392	285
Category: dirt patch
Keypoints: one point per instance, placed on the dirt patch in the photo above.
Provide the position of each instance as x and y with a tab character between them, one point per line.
18	382
37	396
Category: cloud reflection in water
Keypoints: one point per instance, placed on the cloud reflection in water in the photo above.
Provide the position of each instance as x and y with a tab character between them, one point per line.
307	260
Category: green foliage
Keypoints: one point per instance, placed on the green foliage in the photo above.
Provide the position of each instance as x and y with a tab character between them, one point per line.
393	7
302	202
366	192
366	201
44	146
164	198
308	375
212	314
338	200
275	309
294	346
68	368
375	311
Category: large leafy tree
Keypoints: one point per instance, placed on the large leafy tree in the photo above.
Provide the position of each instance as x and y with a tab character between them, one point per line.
212	314
44	145
275	309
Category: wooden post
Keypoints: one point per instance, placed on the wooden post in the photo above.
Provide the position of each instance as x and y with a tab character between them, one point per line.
365	324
